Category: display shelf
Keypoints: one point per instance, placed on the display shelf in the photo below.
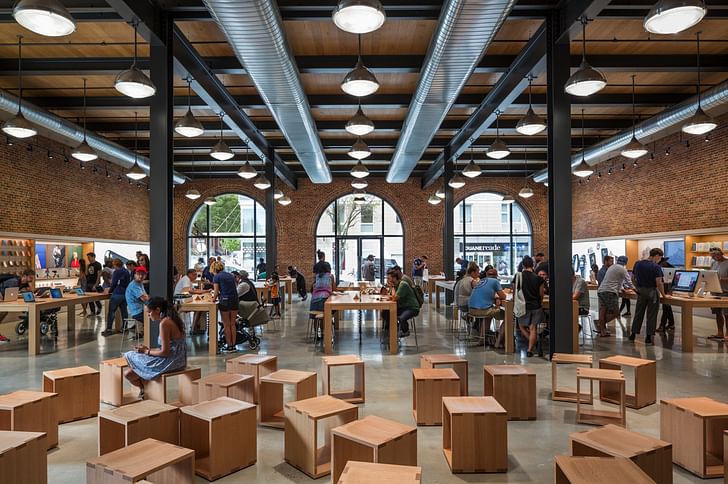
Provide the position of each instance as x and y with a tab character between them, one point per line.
697	247
16	255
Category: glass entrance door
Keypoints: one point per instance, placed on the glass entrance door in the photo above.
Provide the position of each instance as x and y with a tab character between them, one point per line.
351	253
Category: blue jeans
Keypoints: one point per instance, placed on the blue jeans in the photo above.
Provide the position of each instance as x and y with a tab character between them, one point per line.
116	301
403	317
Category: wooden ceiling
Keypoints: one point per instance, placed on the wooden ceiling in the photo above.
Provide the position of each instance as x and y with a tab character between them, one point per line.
616	42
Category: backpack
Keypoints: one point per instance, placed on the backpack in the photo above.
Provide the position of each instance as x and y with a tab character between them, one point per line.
519	301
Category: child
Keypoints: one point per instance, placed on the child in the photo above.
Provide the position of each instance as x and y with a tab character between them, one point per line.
274	285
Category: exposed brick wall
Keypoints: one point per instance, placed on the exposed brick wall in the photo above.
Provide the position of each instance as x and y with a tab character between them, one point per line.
682	191
50	197
296	223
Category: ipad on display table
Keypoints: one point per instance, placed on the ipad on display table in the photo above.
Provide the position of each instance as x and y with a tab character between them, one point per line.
28	297
56	293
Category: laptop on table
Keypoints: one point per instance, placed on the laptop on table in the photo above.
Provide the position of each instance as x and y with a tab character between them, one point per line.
11	294
685	282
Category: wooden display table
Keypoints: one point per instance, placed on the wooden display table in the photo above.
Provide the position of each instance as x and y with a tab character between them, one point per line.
372	439
598	470
306	422
600	417
197	303
112	383
23	457
361	473
77	389
429	385
222	432
357	393
645	381
30	411
150	459
233	385
157	389
271	393
569	394
514	387
457	363
126	425
256	365
365	302
430	284
695	428
652	455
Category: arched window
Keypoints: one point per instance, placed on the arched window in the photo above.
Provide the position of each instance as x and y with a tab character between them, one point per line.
348	232
490	231
233	228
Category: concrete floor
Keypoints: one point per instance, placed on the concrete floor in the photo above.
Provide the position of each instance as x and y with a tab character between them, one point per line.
531	445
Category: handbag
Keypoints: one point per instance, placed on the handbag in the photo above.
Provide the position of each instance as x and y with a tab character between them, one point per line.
519	301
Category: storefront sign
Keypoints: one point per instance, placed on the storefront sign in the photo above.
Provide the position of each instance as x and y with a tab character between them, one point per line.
492	246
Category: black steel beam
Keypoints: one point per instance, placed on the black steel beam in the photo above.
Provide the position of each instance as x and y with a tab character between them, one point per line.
271	239
448	229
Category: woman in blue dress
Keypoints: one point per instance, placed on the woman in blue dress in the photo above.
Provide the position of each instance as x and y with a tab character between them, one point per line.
148	363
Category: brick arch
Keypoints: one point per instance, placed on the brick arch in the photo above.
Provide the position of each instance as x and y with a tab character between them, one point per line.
321	207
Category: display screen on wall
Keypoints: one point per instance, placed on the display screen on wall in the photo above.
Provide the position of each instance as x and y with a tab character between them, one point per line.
125	252
40	256
594	252
75	253
675	252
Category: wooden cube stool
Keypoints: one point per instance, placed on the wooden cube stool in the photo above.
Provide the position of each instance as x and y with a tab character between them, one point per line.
361	472
23	457
77	389
457	363
157	389
112	383
357	393
256	365
307	421
429	385
597	470
695	428
233	385
474	434
30	411
372	439
135	422
222	432
652	455
645	381
569	394
271	393
159	462
514	387
600	417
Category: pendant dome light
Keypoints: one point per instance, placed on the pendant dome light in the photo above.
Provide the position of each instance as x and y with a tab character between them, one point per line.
359	16
531	123
285	200
247	171
277	194
18	126
674	16
440	193
44	17
700	123
84	152
360	81
434	199
359	197
583	169
359	184
135	172
586	80
261	183
193	194
210	201
359	170
359	150
359	124
456	181
498	149
133	82
471	170
188	126
221	151
634	149
526	191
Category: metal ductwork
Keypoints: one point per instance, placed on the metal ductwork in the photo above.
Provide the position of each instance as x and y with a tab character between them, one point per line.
656	127
69	131
464	32
255	31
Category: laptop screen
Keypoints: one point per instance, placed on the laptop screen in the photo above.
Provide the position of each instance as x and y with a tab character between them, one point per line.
685	281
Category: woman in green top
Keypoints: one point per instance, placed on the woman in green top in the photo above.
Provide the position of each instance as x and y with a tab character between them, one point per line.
407	305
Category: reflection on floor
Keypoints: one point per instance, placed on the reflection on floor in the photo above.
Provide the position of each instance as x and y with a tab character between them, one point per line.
532	444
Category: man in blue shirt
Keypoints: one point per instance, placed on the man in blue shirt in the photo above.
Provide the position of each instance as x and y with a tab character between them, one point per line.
608	262
481	304
647	279
117	300
136	296
418	269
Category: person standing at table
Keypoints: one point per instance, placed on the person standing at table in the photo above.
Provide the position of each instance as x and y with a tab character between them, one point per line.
93	278
300	282
136	297
647	279
667	320
82	282
418	269
225	288
367	269
260	268
117	300
531	288
608	262
720	264
610	286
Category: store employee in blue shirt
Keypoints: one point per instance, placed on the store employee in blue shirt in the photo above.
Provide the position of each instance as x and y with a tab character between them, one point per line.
647	279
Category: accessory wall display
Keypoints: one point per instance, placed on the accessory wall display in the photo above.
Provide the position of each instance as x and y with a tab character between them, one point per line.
16	255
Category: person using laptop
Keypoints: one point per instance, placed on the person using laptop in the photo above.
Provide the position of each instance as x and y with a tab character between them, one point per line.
647	279
720	265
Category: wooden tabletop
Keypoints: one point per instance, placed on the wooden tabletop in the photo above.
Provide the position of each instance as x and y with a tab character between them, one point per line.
287	376
224	379
320	407
434	374
142	458
601	470
571	358
354	299
450	285
11	440
341	360
507	370
135	411
618	441
600	374
627	361
457	405
69	372
363	473
703	406
21	397
373	430
217	408
444	359
254	359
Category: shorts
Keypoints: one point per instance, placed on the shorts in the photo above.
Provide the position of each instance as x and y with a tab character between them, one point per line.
719	310
228	304
275	300
532	317
609	301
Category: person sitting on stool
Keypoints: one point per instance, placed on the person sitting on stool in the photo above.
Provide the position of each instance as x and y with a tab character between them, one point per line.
407	305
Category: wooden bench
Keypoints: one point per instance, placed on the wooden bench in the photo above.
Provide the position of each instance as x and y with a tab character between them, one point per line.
126	425
271	393
358	390
514	387
595	416
458	363
429	385
645	381
23	457
31	411
77	389
233	385
559	394
256	365
358	472
597	470
112	383
157	389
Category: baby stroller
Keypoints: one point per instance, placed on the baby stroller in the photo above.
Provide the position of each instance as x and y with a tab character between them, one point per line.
48	322
250	315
